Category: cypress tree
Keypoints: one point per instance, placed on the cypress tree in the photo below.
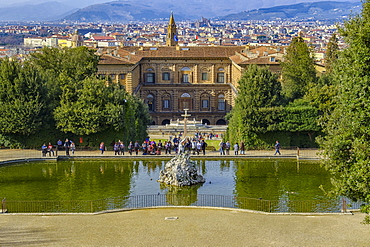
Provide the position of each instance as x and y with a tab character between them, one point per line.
298	70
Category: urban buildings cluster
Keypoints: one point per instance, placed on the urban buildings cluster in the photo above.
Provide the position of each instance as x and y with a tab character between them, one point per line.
199	33
173	68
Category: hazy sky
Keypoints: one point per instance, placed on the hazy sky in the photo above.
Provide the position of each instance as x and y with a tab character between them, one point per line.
83	3
74	3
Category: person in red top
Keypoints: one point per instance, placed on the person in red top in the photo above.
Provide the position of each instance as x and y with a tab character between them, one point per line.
50	149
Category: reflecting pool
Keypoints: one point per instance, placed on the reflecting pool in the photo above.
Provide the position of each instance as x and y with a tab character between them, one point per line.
99	179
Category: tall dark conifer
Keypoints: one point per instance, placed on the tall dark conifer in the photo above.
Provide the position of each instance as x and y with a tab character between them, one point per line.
331	54
298	70
258	88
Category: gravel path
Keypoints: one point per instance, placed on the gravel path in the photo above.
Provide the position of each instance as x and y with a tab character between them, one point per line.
184	227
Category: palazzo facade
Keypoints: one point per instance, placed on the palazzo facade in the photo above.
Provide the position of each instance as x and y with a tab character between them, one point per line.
172	78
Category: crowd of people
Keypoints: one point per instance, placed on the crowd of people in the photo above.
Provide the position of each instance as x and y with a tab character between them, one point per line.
68	146
196	145
225	147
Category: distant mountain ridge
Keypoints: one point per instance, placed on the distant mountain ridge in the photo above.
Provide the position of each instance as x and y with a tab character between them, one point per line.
325	10
143	10
117	12
52	10
123	11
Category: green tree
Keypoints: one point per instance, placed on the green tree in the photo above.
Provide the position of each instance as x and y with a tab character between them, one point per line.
258	88
299	117
331	54
57	89
93	105
298	70
321	97
82	107
64	66
347	140
76	63
22	98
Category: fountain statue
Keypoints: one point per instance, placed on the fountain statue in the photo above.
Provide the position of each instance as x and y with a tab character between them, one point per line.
180	171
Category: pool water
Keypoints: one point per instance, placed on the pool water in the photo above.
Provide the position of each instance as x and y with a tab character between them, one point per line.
98	179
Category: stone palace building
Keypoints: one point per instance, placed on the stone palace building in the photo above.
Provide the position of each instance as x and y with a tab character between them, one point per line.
174	77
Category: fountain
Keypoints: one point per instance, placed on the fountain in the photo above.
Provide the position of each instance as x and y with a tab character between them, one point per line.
180	171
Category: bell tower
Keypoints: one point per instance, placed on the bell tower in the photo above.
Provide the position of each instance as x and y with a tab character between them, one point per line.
171	39
77	40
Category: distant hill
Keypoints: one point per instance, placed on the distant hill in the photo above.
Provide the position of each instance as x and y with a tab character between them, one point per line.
326	10
123	11
36	12
118	12
144	10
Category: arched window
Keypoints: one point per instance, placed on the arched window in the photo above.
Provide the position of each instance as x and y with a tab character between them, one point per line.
221	102
221	122
221	75
185	95
185	101
166	121
150	102
185	74
206	122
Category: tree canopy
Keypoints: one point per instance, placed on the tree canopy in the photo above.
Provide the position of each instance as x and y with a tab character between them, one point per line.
261	110
331	54
347	140
258	88
298	70
22	98
58	89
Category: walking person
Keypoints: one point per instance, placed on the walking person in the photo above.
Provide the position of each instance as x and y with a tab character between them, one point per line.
130	148
137	147
116	148
204	145
277	148
168	147
59	145
242	148
121	148
67	146
194	146
199	147
144	146
102	147
73	147
222	147
159	147
228	146
236	149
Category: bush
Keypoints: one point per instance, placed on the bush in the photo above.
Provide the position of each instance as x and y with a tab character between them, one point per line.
7	142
